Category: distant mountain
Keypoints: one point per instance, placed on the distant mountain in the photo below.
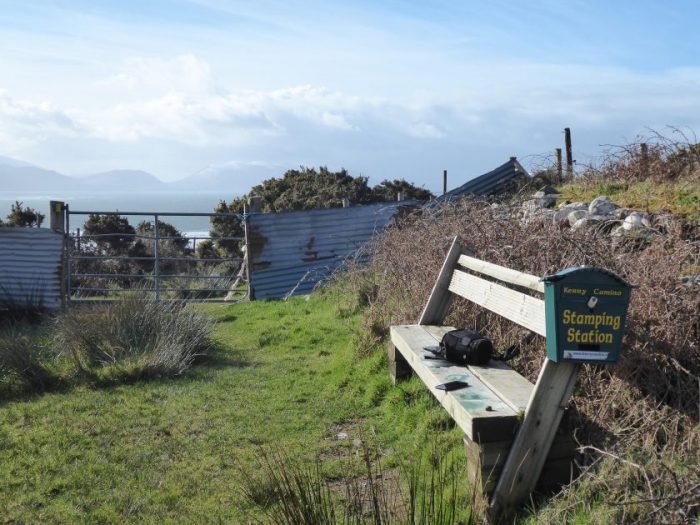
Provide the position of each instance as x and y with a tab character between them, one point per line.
21	177
32	179
120	180
7	161
229	179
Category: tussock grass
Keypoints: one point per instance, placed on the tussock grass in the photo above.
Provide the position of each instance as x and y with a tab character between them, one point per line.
292	492
20	357
136	336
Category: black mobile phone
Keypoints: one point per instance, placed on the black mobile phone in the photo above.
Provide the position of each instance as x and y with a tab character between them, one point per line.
452	385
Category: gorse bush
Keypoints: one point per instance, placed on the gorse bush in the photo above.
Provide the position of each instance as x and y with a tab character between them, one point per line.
136	335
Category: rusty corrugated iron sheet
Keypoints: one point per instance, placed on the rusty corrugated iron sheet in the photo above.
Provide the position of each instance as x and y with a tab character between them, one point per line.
496	181
289	253
31	262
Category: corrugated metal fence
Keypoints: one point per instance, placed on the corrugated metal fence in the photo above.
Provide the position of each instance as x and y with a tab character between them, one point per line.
31	260
289	253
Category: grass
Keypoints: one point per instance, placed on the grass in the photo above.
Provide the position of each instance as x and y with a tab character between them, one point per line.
285	377
679	198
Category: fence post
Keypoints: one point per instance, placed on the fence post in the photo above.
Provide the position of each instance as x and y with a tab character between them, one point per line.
156	261
399	195
569	154
560	171
57	219
66	266
644	151
444	181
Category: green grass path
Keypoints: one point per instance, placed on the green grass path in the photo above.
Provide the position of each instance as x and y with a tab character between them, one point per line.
177	450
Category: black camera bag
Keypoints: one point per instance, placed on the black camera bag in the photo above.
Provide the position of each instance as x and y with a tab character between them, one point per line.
465	347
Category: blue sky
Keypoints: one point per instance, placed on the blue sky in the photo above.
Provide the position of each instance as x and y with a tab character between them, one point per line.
385	89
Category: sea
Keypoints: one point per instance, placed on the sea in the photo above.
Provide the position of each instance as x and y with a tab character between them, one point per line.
143	203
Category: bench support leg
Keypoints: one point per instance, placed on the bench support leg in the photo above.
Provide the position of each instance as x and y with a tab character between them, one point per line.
399	369
535	436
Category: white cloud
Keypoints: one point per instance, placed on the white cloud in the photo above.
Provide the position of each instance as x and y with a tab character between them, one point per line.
184	73
26	122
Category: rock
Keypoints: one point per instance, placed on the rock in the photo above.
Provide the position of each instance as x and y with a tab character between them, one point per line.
541	216
574	216
584	222
534	205
602	223
574	205
621	213
602	206
341	435
636	220
561	216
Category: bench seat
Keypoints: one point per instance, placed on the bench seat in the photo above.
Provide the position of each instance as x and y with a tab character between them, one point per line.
490	408
488	411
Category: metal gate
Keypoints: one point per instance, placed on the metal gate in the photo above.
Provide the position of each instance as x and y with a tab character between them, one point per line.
147	262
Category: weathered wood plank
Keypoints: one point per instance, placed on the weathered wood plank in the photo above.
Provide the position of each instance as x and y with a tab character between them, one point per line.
477	410
440	297
511	387
399	369
516	306
502	273
534	439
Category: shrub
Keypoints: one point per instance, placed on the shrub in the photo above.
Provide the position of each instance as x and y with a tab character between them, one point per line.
19	357
134	335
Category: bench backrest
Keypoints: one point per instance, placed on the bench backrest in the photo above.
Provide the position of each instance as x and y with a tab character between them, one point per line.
523	309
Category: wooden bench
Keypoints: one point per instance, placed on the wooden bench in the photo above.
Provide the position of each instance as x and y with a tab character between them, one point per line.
510	425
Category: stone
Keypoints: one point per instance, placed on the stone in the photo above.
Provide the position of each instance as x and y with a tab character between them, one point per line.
341	435
574	205
561	216
636	220
621	213
602	206
574	216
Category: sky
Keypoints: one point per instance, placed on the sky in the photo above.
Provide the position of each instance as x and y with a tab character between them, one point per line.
386	89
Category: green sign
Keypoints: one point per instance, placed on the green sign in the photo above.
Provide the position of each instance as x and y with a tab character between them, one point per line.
585	310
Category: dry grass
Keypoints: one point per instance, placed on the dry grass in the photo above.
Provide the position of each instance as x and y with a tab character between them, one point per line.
134	336
643	411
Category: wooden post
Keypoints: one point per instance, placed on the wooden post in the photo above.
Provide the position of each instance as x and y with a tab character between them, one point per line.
644	152
399	369
534	439
254	204
560	175
444	181
57	218
399	195
569	154
346	202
